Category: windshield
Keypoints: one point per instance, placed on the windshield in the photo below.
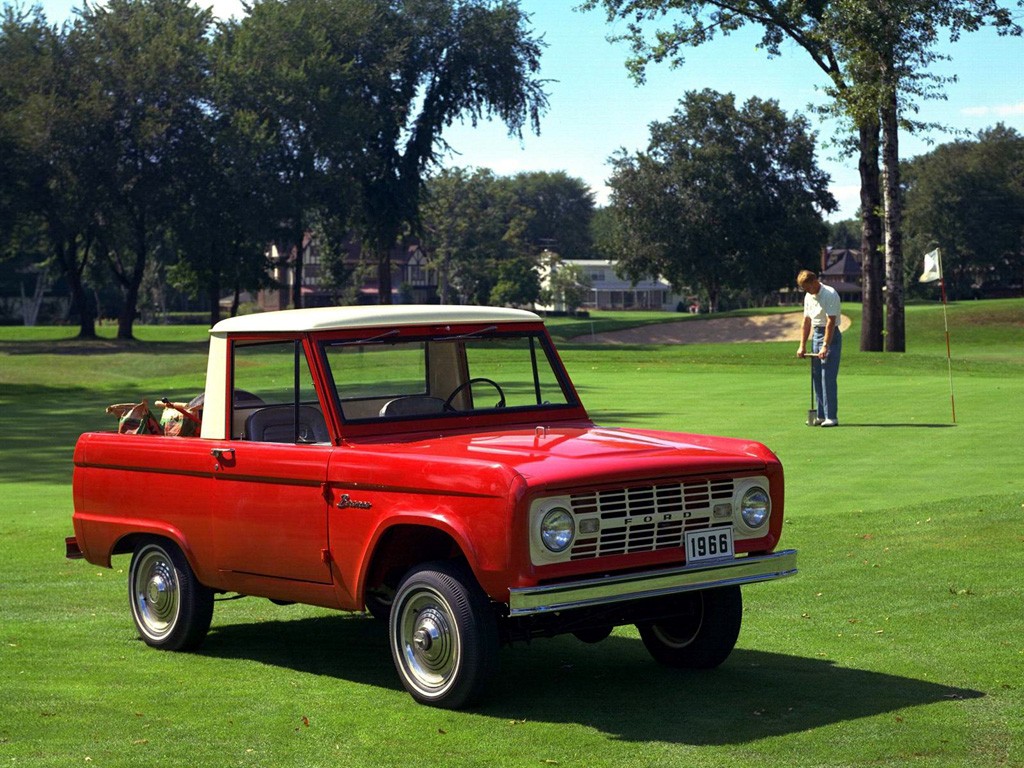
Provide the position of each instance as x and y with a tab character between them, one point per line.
434	377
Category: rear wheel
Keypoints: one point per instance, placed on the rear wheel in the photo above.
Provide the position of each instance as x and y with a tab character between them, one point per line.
171	609
444	636
703	634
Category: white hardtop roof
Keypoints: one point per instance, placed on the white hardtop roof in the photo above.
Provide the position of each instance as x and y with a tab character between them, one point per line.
375	316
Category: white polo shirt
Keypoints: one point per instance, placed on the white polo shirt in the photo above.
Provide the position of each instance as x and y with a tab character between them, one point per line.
821	306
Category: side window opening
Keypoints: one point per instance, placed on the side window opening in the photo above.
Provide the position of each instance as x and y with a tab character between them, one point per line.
273	398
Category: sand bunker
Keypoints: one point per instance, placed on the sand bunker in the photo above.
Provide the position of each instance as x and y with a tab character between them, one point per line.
711	331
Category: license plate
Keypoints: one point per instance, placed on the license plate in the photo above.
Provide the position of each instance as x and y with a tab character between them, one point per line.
712	544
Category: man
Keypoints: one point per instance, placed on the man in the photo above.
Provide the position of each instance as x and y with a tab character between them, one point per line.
821	325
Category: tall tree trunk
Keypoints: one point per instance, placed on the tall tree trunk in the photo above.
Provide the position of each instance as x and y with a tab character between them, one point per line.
131	281
66	251
895	331
126	320
872	272
86	316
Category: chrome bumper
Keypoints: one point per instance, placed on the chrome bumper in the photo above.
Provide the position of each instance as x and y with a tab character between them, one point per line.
638	586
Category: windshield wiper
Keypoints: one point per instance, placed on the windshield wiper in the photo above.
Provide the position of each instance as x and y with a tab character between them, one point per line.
370	340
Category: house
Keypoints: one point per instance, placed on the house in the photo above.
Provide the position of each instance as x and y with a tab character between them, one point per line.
609	291
840	269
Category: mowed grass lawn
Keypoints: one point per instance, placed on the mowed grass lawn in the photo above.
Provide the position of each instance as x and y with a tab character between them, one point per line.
899	642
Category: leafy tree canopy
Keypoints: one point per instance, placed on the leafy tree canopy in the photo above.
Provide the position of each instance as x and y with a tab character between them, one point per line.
967	198
724	196
560	210
453	60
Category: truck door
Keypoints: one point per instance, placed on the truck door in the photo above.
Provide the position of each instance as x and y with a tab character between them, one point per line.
270	516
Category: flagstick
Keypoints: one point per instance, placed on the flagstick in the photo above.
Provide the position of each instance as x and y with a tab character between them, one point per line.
945	323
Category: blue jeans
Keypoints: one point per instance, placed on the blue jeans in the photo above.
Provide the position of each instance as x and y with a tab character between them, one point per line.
825	372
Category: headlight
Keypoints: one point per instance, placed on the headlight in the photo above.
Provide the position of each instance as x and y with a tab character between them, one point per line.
557	529
755	507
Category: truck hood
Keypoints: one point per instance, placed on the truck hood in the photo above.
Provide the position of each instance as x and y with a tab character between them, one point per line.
564	455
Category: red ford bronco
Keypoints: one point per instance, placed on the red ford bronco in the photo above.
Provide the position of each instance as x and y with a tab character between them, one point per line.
435	467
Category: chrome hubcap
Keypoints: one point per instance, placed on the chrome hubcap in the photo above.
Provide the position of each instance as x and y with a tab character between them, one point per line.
157	588
429	642
155	599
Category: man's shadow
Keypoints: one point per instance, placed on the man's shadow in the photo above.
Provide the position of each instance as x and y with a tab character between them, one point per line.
912	425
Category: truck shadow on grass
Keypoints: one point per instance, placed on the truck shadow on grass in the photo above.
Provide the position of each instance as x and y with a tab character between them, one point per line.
613	687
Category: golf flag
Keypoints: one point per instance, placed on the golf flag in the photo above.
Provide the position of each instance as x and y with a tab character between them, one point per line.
932	267
933	272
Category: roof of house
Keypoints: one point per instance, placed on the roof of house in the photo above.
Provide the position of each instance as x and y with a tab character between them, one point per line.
846	264
373	316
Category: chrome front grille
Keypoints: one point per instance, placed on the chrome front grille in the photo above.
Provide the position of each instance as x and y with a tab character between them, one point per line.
644	518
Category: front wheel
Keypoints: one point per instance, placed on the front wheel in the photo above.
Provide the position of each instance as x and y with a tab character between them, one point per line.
702	635
171	609
444	636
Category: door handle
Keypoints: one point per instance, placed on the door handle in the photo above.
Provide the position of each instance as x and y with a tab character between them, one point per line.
223	456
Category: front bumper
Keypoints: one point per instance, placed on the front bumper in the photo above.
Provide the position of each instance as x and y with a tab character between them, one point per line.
606	590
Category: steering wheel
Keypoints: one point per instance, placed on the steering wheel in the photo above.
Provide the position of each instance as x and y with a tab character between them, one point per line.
479	380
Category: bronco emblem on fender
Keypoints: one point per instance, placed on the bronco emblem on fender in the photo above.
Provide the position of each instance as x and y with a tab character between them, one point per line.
346	502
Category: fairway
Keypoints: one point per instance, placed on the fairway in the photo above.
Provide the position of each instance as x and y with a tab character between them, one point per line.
899	642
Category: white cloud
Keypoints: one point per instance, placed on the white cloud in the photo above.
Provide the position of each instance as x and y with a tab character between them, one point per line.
998	110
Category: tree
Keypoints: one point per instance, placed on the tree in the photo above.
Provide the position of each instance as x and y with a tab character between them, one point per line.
873	53
482	230
472	224
49	128
19	37
695	22
148	62
844	234
308	84
560	211
887	48
568	284
453	59
224	220
518	283
967	198
460	227
722	198
603	232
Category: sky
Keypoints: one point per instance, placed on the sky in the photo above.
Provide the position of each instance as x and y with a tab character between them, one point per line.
595	108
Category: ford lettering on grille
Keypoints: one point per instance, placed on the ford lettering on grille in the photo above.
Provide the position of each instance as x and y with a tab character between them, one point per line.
644	518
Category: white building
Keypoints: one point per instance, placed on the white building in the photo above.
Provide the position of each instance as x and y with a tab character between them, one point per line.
609	291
